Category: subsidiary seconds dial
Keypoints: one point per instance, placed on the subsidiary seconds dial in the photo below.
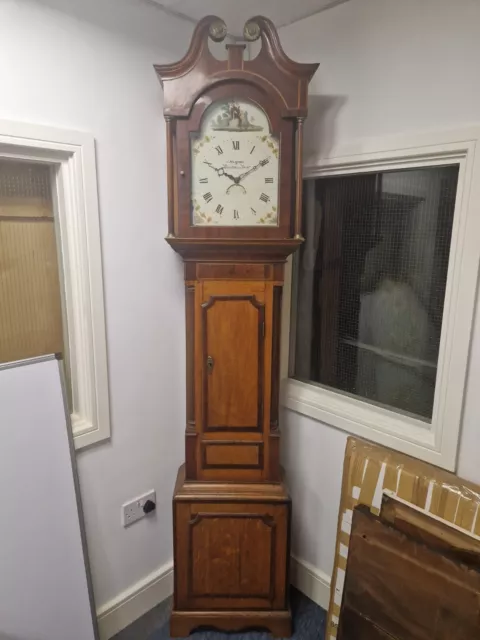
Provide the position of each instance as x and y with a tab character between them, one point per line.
235	168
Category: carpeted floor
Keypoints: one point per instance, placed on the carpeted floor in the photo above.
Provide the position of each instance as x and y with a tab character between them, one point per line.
308	624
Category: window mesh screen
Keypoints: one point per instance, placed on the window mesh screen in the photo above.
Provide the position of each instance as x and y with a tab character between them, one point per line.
30	301
371	281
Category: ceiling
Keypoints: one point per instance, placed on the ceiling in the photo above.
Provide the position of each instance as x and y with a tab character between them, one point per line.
236	12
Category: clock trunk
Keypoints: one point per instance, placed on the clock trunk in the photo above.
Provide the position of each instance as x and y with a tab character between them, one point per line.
233	315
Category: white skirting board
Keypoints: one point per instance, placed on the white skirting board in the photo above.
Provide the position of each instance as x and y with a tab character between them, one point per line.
132	603
313	582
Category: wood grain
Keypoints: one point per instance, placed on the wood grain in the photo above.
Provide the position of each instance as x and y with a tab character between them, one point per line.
232	540
271	71
274	424
299	180
279	623
233	328
231	551
437	535
230	455
190	431
234	249
189	335
405	589
275	370
171	191
234	337
231	271
355	626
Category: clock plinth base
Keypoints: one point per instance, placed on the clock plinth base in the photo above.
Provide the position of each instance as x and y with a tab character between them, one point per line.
231	556
279	623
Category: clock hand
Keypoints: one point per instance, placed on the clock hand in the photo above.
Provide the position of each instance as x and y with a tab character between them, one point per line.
231	177
247	173
214	168
221	171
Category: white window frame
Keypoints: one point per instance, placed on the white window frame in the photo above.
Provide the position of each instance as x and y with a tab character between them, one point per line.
435	442
71	154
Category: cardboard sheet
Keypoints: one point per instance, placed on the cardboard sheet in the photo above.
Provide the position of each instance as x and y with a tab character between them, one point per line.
371	471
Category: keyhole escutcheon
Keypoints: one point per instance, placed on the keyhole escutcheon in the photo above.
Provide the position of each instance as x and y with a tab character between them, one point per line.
210	364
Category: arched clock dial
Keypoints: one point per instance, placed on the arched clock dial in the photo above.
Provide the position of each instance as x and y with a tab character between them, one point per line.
235	167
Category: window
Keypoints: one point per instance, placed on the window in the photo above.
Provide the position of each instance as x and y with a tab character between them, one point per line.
50	264
371	284
31	307
378	315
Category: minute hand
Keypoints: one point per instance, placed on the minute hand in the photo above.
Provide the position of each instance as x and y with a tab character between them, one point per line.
247	173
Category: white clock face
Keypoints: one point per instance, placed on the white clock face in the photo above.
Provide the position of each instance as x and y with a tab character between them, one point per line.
235	167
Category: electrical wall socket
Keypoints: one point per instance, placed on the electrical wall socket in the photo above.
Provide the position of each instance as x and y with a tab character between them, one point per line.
133	510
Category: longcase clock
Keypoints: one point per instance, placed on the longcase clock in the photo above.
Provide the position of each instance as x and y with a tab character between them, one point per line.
234	147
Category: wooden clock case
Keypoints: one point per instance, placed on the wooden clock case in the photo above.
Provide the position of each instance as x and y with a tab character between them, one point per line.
231	508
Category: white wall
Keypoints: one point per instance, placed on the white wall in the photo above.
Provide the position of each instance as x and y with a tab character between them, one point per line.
387	67
87	65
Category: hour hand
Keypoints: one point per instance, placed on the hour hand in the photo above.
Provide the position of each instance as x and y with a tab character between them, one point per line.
211	165
228	175
221	171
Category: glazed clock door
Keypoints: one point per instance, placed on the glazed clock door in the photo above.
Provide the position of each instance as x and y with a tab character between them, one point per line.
232	337
233	175
235	167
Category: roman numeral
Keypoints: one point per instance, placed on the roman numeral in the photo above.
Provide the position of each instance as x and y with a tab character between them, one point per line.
262	163
235	215
219	149
236	145
203	180
268	180
253	211
252	149
219	209
264	198
207	197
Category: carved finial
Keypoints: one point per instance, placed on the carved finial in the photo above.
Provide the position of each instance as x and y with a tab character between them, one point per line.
251	30
271	70
217	30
